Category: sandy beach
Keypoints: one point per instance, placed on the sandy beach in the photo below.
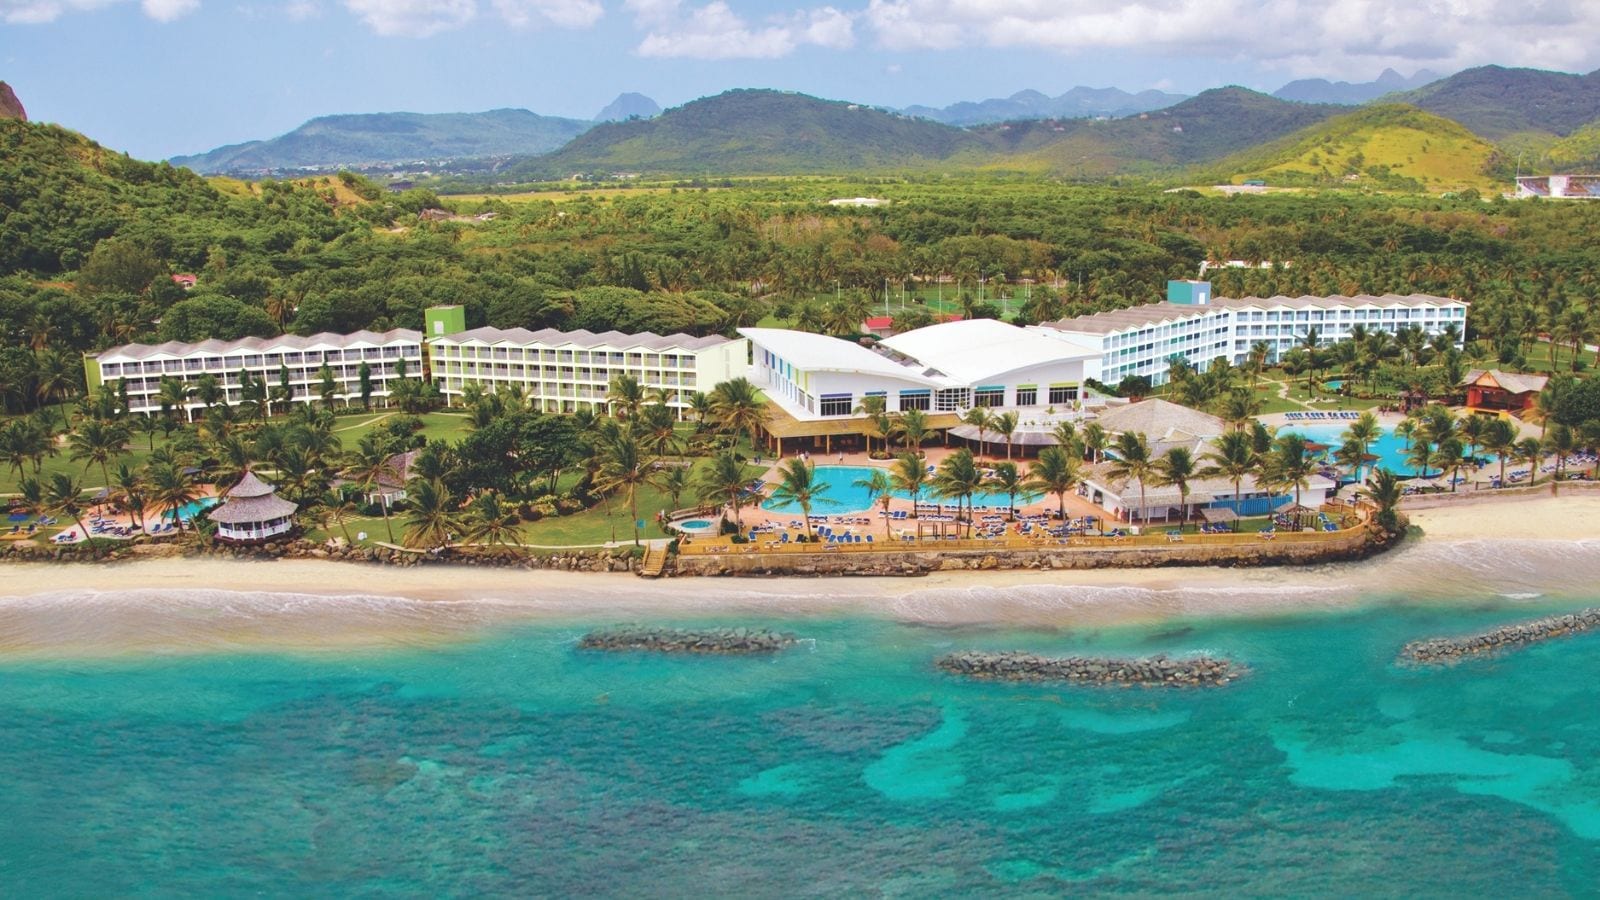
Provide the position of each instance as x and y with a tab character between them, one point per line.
1527	548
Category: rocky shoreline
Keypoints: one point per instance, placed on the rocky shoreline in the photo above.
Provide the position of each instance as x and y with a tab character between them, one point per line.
1434	651
732	641
1154	671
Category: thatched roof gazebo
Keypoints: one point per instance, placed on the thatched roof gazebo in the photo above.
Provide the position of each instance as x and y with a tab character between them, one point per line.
252	513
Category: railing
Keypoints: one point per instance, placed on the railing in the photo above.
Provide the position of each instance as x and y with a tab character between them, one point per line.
722	545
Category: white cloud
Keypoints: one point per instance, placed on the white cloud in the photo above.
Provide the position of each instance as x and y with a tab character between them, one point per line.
561	13
302	10
714	31
1331	36
413	18
168	10
38	12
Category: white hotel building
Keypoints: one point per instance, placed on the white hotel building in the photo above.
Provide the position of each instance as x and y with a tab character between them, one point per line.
1192	323
939	369
563	371
143	366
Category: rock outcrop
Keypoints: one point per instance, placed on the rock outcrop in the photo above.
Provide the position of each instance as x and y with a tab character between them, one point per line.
10	106
677	640
1155	671
1496	640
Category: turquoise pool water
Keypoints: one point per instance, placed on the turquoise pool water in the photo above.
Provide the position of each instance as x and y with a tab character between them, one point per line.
1333	384
510	764
195	507
1390	448
842	495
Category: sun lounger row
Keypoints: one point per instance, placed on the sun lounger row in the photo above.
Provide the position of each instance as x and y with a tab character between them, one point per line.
1321	416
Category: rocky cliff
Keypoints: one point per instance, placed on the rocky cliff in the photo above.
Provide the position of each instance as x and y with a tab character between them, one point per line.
10	106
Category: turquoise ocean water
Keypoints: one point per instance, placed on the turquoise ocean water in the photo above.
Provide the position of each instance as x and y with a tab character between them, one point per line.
510	763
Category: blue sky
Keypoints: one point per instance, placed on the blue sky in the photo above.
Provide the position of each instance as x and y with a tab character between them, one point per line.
164	77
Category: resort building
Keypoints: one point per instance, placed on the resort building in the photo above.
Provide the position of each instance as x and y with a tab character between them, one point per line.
564	371
1559	187
1168	425
252	513
817	383
142	367
1495	391
1141	340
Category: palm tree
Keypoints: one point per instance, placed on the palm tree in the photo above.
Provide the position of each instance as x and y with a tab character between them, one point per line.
1289	464
1235	459
880	489
624	396
488	521
333	509
1057	472
874	407
909	476
1176	468
1531	451
62	497
170	488
737	408
430	518
1095	441
1007	481
208	390
671	480
723	479
1005	425
55	375
1352	456
1448	457
371	465
1066	437
959	477
797	484
97	442
625	464
912	426
1239	406
1386	491
1500	438
1132	461
1560	441
978	417
128	491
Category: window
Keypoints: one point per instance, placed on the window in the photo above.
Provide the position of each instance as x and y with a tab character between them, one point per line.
989	396
952	399
837	404
1027	396
916	400
1062	394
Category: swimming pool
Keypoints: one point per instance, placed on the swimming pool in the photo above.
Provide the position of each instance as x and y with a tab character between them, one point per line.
842	495
695	526
1333	384
1389	448
194	508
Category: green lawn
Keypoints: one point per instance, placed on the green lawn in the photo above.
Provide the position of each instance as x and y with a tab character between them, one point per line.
138	454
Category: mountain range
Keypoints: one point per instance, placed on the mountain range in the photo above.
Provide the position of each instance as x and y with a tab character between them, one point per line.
1449	134
1344	93
1080	102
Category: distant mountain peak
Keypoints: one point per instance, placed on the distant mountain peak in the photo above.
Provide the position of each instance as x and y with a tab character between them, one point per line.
629	106
1029	104
1344	93
10	106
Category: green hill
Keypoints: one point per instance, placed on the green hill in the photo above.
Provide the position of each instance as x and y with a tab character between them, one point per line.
1390	146
1577	152
333	141
1497	103
1201	129
756	132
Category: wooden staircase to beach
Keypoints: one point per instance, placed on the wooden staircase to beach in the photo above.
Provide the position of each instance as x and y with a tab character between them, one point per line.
655	560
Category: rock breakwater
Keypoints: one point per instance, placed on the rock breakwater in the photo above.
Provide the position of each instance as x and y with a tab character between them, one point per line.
678	640
1154	671
1496	640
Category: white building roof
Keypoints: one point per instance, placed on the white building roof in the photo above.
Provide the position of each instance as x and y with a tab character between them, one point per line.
820	353
323	341
973	351
1151	314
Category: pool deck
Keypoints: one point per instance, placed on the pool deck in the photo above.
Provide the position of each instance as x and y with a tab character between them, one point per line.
73	534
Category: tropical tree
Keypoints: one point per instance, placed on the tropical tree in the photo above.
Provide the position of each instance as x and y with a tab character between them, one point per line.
625	464
1176	468
1095	441
54	376
98	442
912	426
1132	462
1531	451
1056	471
980	418
170	487
1385	491
880	490
909	476
1447	455
1233	457
797	484
875	408
737	408
128	491
624	396
1005	425
1560	441
1289	465
327	386
1007	482
364	385
959	477
431	517
371	466
672	480
63	497
722	478
334	509
1500	439
490	522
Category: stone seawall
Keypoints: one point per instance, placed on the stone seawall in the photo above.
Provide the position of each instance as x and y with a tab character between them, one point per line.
678	640
591	560
1155	671
1357	545
1496	640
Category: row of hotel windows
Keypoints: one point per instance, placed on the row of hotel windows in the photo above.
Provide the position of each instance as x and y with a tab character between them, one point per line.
1304	316
944	400
230	379
257	361
565	373
534	354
